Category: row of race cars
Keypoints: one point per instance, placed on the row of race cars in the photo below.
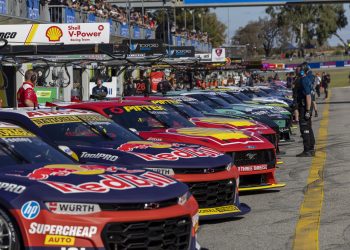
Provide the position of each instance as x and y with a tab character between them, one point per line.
138	172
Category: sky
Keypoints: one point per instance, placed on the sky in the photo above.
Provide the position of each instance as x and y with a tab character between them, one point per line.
235	17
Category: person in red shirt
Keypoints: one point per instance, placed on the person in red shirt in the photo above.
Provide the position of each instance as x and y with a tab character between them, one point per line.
26	95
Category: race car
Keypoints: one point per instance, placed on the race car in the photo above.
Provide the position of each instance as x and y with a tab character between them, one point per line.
221	106
253	155
264	101
92	137
48	201
201	120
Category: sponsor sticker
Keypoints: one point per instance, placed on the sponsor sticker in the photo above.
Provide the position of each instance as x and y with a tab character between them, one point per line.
252	168
59	240
110	182
144	108
162	102
15	132
64	230
164	171
179	153
216	133
11	187
72	208
102	156
233	122
45	172
131	145
30	210
219	210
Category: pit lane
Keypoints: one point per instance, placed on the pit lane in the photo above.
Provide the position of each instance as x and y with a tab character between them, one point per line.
274	216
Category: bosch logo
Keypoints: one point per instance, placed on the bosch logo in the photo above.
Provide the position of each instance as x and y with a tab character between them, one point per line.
30	210
149	206
7	35
251	156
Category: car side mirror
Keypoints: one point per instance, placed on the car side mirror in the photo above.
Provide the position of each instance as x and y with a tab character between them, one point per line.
68	151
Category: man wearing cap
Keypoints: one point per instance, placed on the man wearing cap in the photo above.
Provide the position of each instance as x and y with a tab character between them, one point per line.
304	101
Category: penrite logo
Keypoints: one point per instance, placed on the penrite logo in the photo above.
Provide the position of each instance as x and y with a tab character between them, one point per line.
54	33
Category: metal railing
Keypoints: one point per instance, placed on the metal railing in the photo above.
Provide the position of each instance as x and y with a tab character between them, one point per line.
31	9
198	45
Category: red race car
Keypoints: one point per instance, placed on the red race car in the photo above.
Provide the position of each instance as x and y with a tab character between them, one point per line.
253	155
211	122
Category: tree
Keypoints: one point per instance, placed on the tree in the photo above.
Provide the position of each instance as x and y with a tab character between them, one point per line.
258	35
310	22
215	29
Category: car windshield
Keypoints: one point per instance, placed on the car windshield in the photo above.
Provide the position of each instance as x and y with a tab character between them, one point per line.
86	130
230	99
27	149
201	107
185	110
212	101
240	96
147	117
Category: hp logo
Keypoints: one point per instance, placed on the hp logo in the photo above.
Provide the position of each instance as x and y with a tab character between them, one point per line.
30	210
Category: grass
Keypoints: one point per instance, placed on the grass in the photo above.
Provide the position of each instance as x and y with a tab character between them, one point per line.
339	76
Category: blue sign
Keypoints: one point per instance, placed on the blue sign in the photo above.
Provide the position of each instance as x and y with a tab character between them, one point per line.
91	18
111	26
237	2
33	9
137	32
124	30
70	15
30	210
148	34
3	7
178	41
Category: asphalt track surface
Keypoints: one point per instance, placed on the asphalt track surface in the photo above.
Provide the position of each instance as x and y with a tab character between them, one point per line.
272	223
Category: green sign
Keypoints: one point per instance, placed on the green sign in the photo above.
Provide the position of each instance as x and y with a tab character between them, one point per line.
46	94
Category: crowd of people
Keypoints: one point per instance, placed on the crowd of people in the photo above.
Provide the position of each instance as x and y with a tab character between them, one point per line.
192	35
104	9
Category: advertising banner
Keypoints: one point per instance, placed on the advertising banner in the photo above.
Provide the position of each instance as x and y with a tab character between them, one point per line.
145	46
46	94
78	33
248	2
137	32
181	51
3	7
33	9
70	15
124	30
148	34
218	55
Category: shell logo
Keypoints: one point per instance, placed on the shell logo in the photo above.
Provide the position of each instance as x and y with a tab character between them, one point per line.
54	33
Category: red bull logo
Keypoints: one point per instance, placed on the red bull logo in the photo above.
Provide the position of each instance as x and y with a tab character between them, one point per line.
130	146
64	170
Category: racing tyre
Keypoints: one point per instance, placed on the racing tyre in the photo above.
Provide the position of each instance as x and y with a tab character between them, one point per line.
9	234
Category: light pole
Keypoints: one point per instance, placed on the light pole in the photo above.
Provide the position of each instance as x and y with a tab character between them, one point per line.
185	19
129	25
193	22
201	17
